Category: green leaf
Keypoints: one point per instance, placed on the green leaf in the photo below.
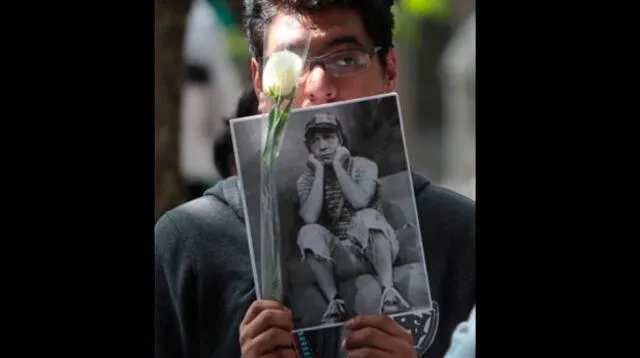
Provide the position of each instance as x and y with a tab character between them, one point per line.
276	121
271	93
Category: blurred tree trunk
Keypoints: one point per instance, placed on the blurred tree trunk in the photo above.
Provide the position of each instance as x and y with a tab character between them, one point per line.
170	18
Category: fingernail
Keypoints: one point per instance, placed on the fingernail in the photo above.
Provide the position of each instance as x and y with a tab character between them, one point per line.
349	323
344	344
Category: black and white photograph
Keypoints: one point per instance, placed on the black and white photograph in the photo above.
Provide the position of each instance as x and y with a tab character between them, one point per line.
351	242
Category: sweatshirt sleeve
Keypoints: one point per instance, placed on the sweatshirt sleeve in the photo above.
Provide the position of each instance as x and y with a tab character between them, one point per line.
447	222
204	280
174	292
461	266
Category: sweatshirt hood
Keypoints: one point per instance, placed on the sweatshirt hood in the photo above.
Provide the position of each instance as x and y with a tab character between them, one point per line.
229	192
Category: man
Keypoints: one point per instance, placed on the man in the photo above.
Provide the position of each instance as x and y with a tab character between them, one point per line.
343	217
205	297
223	155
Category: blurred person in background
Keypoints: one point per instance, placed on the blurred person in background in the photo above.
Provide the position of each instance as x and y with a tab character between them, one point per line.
463	341
205	298
223	155
458	68
209	94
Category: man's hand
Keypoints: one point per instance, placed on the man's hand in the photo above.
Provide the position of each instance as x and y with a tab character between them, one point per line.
314	163
374	336
265	331
341	155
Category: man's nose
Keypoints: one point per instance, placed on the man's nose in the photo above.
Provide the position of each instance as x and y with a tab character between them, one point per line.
319	86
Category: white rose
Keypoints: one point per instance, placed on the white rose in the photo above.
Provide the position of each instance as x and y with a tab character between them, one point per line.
281	73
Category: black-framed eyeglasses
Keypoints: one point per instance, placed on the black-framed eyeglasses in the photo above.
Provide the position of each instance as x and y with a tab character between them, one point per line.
342	63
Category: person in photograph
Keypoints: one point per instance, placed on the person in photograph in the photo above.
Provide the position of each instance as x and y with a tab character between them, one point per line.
205	295
343	217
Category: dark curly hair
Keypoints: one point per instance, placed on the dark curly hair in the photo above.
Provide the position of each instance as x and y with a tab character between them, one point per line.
376	16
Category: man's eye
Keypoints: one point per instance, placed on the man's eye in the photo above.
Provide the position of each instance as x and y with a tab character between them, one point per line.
346	60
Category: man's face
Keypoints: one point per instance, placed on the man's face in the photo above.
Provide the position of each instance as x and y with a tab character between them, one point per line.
323	146
331	30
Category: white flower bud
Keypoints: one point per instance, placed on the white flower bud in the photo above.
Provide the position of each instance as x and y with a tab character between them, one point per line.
281	73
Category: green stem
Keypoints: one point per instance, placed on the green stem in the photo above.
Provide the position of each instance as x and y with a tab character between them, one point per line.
270	231
274	125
